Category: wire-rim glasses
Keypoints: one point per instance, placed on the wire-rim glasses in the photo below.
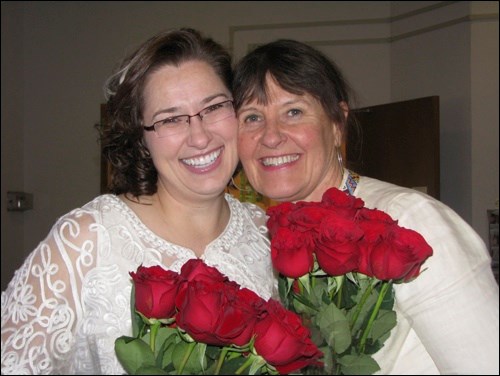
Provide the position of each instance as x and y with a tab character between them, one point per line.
179	124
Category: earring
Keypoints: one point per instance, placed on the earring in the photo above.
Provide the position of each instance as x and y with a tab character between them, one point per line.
233	183
339	158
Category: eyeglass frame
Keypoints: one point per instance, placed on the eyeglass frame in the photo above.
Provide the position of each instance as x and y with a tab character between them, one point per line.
150	128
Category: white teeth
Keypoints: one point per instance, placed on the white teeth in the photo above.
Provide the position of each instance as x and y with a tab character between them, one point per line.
278	161
204	160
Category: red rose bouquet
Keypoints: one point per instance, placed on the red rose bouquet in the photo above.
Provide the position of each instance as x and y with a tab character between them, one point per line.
199	322
338	261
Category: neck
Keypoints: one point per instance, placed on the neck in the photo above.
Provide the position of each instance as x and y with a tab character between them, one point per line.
332	180
192	224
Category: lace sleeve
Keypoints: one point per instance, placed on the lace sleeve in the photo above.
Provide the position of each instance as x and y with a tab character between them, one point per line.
41	305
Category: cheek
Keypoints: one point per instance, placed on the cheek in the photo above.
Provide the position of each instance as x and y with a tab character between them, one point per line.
322	144
162	150
311	141
246	146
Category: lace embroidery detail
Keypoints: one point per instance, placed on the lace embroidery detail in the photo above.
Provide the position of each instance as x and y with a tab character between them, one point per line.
70	299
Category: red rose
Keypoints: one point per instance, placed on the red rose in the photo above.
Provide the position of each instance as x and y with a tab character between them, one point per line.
283	341
306	218
217	313
155	291
341	202
337	248
398	256
366	214
292	252
196	269
278	216
375	223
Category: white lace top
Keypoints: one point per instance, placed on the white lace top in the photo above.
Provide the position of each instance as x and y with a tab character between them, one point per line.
70	300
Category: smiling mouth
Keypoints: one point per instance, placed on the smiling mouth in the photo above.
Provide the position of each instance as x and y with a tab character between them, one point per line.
204	160
279	161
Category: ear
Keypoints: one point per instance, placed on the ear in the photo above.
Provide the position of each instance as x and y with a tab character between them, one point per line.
345	109
337	135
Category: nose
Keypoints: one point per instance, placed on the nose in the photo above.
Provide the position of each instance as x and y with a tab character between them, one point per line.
199	136
273	135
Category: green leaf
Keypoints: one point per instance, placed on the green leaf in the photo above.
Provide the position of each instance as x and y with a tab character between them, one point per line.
335	283
358	365
385	321
327	359
388	302
166	339
196	362
133	353
161	338
365	312
137	322
230	366
284	287
257	364
334	327
349	294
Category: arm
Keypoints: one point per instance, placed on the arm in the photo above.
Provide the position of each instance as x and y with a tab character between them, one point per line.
453	304
41	306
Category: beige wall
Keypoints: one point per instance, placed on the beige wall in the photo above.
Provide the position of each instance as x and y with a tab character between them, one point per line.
57	55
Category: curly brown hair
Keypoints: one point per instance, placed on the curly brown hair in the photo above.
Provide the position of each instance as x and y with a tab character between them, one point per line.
132	169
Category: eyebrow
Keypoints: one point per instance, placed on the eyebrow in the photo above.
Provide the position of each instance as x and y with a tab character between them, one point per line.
171	110
287	103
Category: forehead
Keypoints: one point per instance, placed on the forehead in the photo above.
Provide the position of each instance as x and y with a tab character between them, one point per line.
184	79
275	94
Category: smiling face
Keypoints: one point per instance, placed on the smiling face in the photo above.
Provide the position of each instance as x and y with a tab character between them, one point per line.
201	159
288	147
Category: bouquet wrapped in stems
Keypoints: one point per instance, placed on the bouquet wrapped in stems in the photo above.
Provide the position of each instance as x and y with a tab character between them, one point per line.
337	262
199	322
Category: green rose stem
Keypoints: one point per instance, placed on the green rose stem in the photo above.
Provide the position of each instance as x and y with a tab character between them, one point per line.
340	281
245	365
383	291
187	354
221	360
152	336
362	302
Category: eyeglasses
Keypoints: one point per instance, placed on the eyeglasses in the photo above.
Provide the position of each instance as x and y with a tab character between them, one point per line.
179	124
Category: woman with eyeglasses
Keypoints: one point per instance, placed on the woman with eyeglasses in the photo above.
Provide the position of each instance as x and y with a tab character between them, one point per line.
172	144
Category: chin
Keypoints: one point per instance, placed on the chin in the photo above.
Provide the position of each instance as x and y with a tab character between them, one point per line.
280	193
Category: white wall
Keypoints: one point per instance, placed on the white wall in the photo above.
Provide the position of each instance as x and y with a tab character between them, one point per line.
12	128
484	115
57	55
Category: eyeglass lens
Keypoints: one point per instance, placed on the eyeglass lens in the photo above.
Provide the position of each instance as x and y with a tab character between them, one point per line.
178	124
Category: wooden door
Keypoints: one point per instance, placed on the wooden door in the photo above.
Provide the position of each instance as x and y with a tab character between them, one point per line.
398	143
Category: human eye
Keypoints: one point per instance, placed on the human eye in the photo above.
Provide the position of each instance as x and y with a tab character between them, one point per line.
250	121
252	118
170	121
213	108
292	116
294	112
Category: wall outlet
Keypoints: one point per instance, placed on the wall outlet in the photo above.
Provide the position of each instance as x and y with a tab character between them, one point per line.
19	201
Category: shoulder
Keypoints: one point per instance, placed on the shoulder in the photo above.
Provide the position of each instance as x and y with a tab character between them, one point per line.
399	201
451	237
95	208
418	211
82	222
